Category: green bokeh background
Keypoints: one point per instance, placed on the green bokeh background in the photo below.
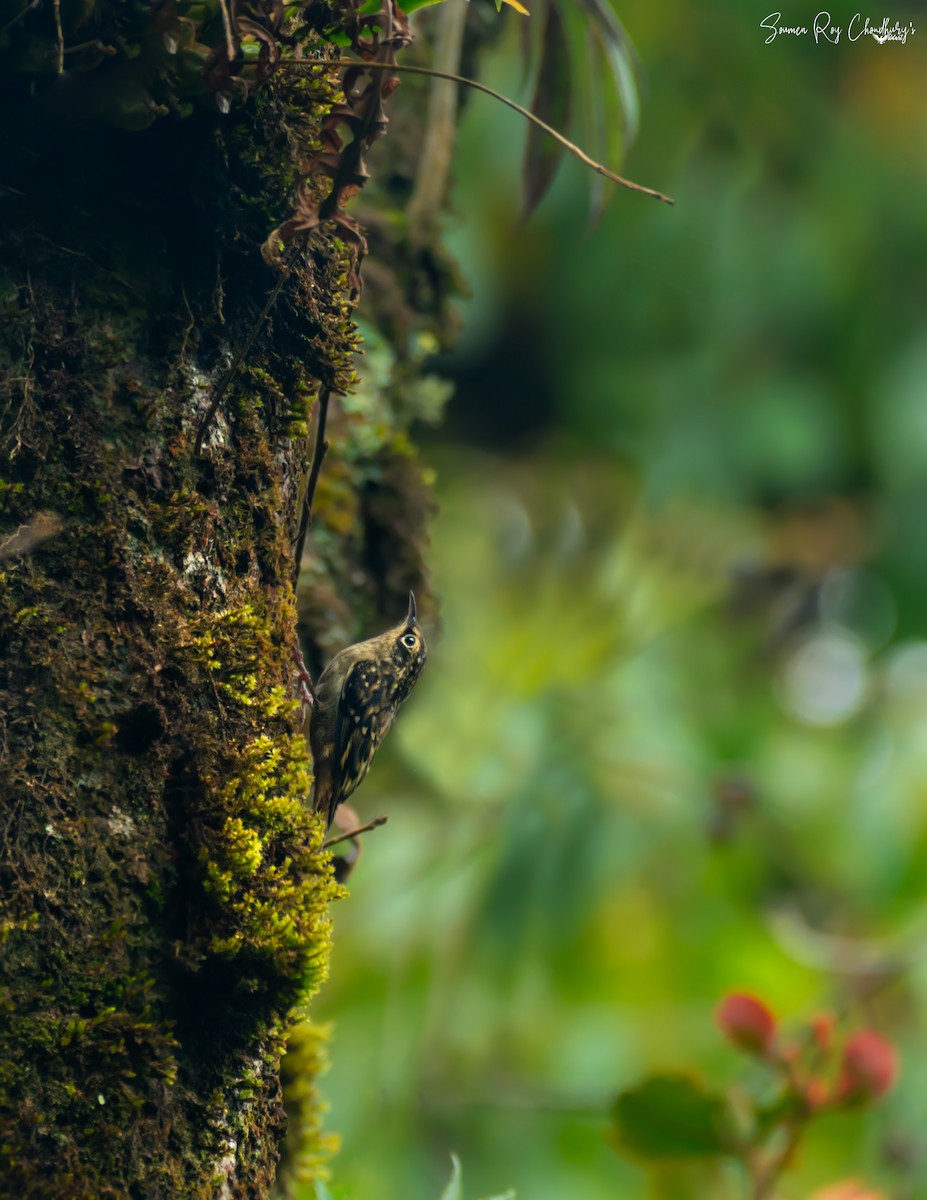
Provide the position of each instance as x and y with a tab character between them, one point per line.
672	740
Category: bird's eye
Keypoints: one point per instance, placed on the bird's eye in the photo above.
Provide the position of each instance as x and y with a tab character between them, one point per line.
410	640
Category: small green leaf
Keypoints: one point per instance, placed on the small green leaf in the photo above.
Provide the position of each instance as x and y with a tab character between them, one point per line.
411	6
767	1116
454	1189
671	1117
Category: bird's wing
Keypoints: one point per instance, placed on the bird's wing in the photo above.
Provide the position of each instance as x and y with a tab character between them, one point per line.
359	728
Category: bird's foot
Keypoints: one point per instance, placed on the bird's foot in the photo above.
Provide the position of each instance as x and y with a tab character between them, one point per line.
305	688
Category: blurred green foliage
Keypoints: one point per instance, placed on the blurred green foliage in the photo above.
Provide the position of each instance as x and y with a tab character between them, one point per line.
671	740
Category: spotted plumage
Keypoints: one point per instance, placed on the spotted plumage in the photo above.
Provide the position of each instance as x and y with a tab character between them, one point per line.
356	701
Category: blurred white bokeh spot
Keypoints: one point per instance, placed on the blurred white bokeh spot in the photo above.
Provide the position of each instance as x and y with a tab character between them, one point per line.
906	672
825	677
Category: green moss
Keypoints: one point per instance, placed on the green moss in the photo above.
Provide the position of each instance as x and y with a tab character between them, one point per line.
307	1149
165	898
272	888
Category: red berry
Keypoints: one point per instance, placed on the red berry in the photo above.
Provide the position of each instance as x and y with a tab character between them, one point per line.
869	1067
747	1022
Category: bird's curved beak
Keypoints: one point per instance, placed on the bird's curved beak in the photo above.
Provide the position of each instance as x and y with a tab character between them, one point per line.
410	618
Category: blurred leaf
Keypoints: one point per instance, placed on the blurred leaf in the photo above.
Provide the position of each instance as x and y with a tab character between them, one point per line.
592	110
411	6
604	67
607	141
512	4
690	1180
671	1116
454	1189
765	1117
587	66
552	104
620	59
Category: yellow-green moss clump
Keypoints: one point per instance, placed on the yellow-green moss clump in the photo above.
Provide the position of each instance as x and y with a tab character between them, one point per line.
308	1148
265	879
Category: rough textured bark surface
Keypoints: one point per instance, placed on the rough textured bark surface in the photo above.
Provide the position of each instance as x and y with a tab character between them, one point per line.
163	890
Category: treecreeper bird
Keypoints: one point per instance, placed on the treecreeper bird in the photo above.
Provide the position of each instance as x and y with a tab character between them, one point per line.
356	701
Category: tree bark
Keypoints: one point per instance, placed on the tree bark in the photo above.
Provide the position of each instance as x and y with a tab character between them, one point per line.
164	895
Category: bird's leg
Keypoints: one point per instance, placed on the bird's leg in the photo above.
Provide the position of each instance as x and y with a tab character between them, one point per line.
305	688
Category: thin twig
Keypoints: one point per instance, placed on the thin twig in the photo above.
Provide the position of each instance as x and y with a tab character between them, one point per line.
19	16
315	469
227	25
481	87
318	456
59	32
766	1178
352	833
94	44
226	379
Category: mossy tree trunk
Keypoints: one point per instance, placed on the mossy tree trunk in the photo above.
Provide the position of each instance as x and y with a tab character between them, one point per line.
164	895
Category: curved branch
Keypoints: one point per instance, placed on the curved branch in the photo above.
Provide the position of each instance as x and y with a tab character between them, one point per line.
482	87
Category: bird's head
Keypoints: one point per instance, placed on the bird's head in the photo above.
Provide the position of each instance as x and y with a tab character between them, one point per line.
409	651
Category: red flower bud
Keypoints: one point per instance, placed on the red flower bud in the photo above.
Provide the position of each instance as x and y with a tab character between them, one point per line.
790	1053
848	1189
868	1069
747	1022
815	1094
822	1028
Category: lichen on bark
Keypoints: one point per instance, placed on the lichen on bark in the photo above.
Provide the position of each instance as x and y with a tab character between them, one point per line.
164	891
